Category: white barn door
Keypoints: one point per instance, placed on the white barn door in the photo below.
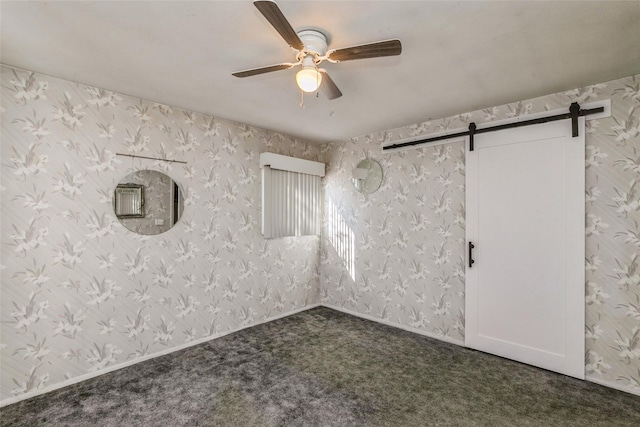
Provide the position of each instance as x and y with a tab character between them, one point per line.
525	217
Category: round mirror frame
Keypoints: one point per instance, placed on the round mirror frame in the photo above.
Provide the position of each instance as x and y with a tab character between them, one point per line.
148	202
367	176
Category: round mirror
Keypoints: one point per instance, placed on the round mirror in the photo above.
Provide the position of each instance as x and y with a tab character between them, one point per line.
367	176
148	202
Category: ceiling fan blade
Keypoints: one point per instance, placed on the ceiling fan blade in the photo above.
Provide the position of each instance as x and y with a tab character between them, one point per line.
256	71
363	51
272	12
328	87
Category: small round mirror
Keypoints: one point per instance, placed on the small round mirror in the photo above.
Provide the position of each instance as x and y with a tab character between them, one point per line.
367	176
148	202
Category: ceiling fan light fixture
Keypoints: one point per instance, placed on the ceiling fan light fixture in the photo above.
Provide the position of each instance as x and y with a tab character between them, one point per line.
309	79
311	46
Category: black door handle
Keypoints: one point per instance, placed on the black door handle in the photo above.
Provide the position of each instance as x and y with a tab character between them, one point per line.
471	261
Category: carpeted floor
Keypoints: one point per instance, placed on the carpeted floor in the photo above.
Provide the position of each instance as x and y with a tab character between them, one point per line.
325	368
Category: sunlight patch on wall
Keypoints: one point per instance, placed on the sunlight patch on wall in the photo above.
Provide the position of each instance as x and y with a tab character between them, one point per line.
342	238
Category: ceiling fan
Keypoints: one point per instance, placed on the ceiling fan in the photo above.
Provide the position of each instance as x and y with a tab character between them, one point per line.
311	47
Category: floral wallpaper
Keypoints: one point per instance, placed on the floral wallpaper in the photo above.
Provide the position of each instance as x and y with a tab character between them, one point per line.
80	292
407	262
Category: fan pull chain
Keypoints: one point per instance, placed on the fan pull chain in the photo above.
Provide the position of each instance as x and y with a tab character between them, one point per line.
302	100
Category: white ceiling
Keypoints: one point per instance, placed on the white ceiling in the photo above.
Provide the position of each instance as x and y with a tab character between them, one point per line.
457	56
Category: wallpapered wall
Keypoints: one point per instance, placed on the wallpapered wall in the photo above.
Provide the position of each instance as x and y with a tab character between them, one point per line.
81	293
408	264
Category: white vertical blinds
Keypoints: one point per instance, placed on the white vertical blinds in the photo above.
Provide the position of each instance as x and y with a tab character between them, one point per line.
291	202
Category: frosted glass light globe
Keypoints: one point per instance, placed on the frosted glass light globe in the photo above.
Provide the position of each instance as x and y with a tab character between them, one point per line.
309	79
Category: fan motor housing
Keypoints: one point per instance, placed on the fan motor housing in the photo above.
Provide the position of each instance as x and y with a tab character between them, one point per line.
314	41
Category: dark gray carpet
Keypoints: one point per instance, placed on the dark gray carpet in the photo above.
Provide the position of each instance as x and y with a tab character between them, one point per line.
325	368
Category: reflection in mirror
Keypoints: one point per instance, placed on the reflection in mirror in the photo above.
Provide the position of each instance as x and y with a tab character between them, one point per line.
148	202
367	176
129	201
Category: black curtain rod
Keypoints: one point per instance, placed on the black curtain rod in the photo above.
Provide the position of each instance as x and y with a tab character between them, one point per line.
573	114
